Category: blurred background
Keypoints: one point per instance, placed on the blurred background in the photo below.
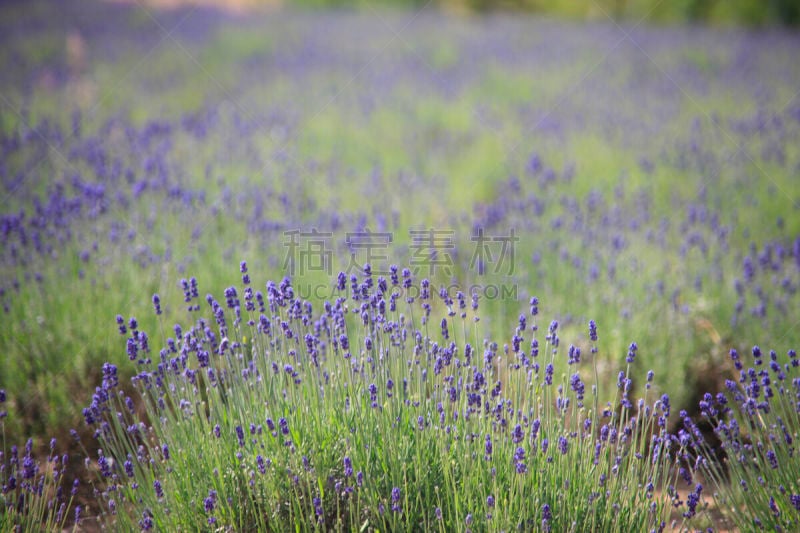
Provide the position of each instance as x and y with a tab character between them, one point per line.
739	12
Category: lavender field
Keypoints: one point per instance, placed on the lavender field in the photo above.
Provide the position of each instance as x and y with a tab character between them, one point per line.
396	271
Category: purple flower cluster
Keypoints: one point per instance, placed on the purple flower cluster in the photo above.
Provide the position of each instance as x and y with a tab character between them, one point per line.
32	487
455	378
749	420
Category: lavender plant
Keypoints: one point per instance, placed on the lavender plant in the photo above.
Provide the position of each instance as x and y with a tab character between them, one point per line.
32	493
373	412
752	466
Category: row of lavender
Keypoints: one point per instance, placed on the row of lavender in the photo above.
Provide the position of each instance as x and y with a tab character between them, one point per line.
386	409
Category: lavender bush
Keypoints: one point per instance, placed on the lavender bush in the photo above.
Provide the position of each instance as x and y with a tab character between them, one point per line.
373	412
752	463
32	492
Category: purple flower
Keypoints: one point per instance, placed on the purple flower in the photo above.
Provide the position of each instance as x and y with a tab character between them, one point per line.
29	468
121	324
773	459
396	500
592	331
774	507
105	467
519	457
348	467
318	510
146	523
210	502
631	352
519	454
534	306
344	342
577	386
665	404
692	500
573	355
547	516
157	304
535	428
516	434
735	358
128	468
795	499
563	445
158	489
548	374
132	348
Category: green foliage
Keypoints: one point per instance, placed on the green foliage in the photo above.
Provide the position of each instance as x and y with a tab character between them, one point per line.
737	12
